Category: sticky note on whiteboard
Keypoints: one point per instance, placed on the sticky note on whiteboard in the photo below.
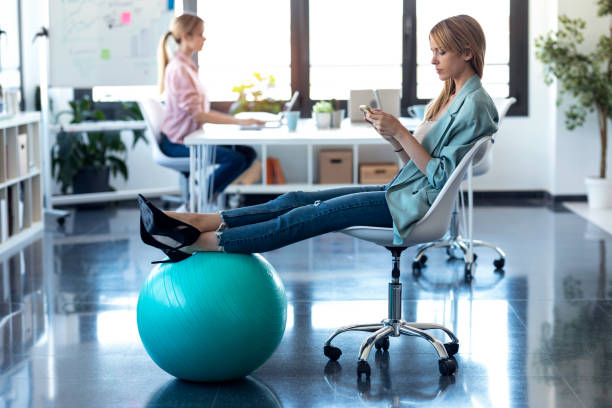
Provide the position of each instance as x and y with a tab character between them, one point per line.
126	17
105	54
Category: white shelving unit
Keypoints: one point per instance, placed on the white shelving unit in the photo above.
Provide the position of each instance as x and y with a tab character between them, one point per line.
21	183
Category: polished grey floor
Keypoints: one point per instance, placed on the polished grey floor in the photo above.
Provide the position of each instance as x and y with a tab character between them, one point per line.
539	334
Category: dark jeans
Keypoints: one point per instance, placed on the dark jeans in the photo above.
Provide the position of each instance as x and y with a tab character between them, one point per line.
299	215
232	160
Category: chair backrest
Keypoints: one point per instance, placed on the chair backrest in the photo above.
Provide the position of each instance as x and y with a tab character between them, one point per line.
482	163
153	113
435	222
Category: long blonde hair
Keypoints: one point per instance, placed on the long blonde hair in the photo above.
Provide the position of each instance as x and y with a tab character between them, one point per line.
461	34
183	24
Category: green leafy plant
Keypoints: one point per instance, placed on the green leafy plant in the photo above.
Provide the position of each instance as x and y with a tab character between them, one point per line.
323	107
75	151
251	95
587	77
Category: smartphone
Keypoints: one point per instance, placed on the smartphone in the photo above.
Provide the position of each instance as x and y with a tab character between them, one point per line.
365	108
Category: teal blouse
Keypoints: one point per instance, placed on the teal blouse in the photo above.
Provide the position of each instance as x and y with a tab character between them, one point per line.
470	116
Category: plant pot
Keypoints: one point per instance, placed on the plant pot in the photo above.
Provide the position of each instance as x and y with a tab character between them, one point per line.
91	180
599	192
322	120
337	117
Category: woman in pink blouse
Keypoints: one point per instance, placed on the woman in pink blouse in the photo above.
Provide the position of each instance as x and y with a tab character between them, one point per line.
188	106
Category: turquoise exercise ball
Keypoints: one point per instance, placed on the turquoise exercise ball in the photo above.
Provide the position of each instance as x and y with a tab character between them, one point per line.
213	316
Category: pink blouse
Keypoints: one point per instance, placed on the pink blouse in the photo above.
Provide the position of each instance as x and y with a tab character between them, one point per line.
185	97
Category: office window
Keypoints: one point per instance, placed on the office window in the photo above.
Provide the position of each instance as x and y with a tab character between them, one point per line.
493	16
354	44
10	61
244	37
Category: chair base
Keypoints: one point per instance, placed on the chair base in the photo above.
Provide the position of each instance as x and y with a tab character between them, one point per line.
451	244
395	328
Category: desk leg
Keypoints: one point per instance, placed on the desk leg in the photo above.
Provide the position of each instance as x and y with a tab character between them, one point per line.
264	164
192	176
203	185
212	153
355	164
309	170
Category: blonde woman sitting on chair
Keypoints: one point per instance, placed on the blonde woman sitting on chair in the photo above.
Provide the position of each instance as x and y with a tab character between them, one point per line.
187	104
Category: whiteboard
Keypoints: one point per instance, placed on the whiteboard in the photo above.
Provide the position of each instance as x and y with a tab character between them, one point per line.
105	42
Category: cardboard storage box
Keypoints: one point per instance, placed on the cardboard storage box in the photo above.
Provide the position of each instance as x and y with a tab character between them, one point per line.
335	166
377	173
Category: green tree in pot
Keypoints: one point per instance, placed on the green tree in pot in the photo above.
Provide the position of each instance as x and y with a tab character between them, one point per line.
588	79
84	161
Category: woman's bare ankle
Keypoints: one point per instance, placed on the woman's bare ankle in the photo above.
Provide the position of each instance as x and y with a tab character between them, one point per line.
203	222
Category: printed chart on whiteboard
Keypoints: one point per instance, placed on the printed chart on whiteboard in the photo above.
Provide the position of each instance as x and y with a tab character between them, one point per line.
106	42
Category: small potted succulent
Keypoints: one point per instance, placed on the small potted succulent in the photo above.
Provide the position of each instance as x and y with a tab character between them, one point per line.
322	113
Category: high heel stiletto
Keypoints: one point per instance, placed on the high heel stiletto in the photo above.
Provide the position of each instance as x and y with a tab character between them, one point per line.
164	232
174	254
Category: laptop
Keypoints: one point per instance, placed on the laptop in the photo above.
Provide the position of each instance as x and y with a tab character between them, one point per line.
273	120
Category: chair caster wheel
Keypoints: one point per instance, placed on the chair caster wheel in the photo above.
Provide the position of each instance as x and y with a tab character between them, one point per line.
468	273
382	344
447	366
363	368
499	263
451	348
416	269
333	353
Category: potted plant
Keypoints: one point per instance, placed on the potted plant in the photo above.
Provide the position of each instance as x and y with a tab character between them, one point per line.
84	161
587	77
251	96
322	114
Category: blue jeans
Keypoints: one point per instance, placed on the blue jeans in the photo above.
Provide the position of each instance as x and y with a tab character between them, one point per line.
299	215
232	160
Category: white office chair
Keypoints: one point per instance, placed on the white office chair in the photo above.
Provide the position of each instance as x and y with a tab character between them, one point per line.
454	241
431	227
153	112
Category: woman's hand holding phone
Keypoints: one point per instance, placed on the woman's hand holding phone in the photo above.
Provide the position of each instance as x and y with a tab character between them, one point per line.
385	124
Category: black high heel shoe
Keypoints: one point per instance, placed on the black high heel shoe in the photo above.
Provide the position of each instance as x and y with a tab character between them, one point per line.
155	227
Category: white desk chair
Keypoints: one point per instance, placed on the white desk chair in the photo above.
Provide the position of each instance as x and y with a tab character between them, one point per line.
455	241
431	227
153	113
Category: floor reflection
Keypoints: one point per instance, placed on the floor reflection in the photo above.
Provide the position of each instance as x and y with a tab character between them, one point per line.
22	305
247	392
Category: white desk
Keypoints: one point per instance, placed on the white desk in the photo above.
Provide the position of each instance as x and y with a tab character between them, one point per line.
201	152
